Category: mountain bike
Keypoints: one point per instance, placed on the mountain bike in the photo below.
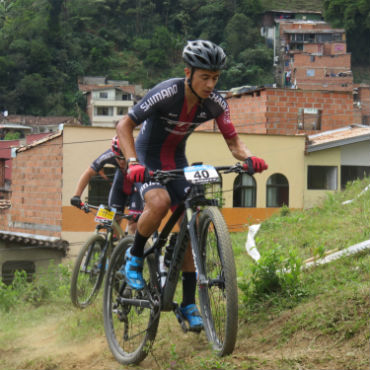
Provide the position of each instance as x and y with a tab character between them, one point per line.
131	317
91	263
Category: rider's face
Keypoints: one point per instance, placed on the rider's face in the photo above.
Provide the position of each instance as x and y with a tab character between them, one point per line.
203	81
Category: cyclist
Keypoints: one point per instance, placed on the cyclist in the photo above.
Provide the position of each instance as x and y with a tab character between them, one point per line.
170	112
122	191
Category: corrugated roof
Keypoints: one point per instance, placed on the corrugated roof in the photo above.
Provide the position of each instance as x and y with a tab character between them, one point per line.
334	138
35	241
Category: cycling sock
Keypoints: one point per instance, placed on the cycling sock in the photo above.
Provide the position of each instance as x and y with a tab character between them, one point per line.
139	244
188	288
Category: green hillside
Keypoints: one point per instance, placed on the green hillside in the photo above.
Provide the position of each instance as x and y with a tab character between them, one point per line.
289	318
301	5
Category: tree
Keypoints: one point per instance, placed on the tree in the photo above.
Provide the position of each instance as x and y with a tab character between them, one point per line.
354	16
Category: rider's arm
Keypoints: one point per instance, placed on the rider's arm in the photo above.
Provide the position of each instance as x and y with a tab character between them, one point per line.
125	128
103	175
237	148
84	180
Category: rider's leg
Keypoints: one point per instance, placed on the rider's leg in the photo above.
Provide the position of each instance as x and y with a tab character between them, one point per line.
157	203
188	307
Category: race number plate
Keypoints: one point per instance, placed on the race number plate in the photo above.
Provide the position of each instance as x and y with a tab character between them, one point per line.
201	174
105	215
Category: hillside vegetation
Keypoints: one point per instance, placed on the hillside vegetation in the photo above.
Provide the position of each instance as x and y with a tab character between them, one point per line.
45	45
289	318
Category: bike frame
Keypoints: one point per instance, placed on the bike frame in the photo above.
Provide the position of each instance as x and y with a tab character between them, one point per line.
189	208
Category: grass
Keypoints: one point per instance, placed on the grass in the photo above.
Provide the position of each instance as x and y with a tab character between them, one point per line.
319	309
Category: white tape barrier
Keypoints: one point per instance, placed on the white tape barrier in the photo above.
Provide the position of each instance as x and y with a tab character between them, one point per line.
252	250
356	248
250	245
358	195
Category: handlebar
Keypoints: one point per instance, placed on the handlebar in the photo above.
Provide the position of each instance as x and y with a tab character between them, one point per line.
164	176
87	209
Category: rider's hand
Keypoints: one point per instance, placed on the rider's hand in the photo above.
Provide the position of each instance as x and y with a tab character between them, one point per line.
76	201
254	164
137	172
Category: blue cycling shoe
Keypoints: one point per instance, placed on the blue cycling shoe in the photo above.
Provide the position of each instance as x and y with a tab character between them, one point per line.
192	315
134	271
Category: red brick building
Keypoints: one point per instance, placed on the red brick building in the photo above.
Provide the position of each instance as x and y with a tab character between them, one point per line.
290	111
312	56
37	189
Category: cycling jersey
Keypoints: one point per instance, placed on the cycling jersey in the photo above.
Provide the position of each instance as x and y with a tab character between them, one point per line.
122	191
108	157
167	125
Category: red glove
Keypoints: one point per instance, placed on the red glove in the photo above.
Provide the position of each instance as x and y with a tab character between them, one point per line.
137	172
254	164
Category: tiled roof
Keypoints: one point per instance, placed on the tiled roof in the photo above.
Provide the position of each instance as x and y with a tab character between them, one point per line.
35	241
342	136
41	141
39	121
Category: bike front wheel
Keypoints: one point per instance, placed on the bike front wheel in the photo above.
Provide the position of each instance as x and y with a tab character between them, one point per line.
87	274
219	295
131	317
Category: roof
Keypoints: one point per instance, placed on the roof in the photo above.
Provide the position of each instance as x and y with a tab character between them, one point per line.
35	241
37	120
339	137
39	142
15	126
315	30
93	87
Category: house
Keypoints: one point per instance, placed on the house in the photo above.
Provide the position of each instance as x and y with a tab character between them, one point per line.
108	100
334	158
28	252
17	130
311	55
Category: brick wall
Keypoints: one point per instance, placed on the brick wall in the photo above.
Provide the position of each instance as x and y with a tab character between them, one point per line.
320	72
248	112
276	111
37	190
283	109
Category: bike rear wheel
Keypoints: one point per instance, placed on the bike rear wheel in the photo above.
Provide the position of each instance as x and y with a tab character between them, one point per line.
130	328
219	297
87	275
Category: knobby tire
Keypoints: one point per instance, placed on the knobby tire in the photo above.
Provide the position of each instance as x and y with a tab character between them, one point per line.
219	298
87	276
130	330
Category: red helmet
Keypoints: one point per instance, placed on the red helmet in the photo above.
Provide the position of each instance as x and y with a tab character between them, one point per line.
115	147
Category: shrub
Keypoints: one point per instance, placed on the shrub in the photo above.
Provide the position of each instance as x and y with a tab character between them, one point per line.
274	279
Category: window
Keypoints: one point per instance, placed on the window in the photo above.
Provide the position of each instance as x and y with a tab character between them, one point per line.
122	111
351	173
10	267
126	96
309	119
99	188
277	191
103	95
322	177
104	111
244	193
310	73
